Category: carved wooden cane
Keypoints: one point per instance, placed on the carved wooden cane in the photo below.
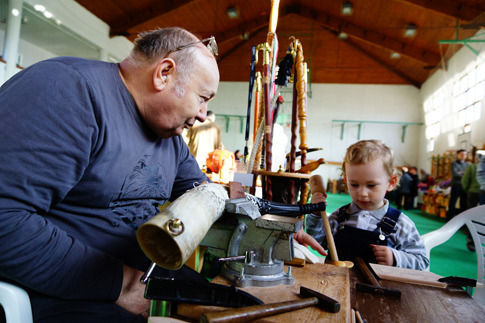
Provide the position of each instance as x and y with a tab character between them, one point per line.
301	83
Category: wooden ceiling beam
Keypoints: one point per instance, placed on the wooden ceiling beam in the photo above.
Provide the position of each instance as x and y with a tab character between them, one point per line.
449	7
247	27
379	61
241	42
391	68
140	17
370	36
251	28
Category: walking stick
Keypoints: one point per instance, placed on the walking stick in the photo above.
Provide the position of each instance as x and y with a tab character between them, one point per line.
267	86
301	83
250	94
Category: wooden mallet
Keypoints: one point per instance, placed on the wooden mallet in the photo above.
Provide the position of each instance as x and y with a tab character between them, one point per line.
316	185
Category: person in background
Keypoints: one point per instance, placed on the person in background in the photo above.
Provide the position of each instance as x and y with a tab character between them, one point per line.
237	154
426	181
472	188
470	184
403	190
204	137
413	191
457	192
368	227
481	177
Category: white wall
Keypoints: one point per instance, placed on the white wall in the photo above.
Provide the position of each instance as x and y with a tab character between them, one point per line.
337	101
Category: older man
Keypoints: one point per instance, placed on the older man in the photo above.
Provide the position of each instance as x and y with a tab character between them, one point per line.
89	150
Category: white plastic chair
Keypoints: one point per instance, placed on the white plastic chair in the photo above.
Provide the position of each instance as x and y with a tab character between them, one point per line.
16	303
474	219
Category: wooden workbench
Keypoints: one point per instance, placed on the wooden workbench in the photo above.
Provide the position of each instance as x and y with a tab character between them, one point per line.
417	303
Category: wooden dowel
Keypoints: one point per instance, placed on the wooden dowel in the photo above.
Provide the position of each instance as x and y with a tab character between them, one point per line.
316	185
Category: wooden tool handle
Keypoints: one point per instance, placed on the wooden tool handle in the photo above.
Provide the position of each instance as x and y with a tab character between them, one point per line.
316	185
366	271
249	313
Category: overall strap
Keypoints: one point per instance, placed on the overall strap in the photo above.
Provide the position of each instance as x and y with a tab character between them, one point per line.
342	214
389	221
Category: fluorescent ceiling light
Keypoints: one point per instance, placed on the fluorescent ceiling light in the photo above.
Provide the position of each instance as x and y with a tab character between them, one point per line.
342	35
410	30
347	8
39	7
232	13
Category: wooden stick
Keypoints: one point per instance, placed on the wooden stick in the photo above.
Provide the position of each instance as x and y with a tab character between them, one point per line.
359	318
352	316
257	100
316	185
301	84
367	273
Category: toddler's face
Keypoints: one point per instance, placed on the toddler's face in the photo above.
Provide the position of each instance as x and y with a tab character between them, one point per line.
368	184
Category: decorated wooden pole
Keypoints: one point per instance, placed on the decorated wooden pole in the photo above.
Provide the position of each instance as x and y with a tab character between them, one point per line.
267	87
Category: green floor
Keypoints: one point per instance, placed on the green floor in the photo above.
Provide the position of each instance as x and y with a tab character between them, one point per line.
449	259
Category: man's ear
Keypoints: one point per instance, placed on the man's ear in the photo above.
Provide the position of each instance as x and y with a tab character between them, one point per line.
162	73
392	182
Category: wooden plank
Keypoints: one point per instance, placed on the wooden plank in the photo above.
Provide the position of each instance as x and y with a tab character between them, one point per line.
410	276
284	174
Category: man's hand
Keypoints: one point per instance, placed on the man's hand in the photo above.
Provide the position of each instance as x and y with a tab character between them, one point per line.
383	255
132	293
307	240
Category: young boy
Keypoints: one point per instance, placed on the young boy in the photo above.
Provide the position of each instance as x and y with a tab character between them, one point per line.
368	227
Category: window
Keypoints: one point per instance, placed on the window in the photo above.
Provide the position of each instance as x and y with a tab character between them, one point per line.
456	103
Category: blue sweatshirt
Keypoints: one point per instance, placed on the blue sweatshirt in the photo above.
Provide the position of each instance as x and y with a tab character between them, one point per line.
80	171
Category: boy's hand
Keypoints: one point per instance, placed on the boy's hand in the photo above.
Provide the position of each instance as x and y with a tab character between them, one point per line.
383	255
318	197
307	240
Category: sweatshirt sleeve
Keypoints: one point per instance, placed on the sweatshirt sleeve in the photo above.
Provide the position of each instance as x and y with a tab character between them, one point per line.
466	179
47	134
409	250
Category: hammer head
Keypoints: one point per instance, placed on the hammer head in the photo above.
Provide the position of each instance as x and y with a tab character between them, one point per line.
324	302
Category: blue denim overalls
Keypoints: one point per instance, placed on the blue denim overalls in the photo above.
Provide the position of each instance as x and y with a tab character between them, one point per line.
353	242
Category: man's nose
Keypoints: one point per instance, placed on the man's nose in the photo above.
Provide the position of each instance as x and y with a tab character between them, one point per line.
202	115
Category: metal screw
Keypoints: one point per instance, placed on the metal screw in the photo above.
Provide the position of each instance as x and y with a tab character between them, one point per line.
289	271
175	227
